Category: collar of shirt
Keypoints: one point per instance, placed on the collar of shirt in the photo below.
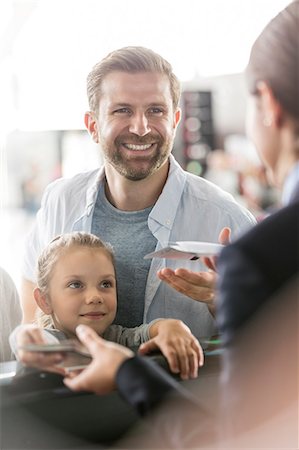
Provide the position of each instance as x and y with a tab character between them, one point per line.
164	211
92	191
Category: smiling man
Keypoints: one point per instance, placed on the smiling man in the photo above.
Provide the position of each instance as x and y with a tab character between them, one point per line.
141	198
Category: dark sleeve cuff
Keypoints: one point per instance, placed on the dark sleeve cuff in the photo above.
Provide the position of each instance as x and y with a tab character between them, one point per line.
143	384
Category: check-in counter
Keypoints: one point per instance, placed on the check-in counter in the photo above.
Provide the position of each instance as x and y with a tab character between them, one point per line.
39	412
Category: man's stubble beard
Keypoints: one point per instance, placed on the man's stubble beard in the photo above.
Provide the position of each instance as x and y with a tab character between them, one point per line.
123	167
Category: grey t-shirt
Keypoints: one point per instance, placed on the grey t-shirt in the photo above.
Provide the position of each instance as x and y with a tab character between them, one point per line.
131	239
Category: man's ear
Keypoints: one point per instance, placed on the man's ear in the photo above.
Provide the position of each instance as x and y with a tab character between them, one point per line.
271	108
42	301
91	125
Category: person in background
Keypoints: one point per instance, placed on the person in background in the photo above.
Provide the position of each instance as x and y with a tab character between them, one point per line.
266	259
141	198
261	262
76	284
11	313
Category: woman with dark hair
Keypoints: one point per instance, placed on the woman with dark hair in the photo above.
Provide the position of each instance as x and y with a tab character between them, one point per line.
272	77
255	267
273	113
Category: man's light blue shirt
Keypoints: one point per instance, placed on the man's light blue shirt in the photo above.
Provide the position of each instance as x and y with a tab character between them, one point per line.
189	208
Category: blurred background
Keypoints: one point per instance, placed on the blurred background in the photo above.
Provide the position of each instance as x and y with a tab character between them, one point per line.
47	48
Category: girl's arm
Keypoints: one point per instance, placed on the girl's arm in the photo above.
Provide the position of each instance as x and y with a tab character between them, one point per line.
172	337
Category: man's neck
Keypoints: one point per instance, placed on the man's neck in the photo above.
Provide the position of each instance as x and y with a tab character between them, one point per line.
128	195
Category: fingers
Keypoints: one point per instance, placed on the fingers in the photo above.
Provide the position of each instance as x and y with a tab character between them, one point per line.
184	359
165	274
30	335
190	359
90	339
185	278
177	359
210	262
224	236
182	351
205	279
49	362
148	347
200	353
172	357
76	382
197	285
40	360
100	375
193	364
72	373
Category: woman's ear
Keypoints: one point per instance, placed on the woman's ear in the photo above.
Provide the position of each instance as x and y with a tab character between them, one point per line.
91	125
42	301
271	108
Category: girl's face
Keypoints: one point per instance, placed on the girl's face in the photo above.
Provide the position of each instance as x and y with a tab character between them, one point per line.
82	290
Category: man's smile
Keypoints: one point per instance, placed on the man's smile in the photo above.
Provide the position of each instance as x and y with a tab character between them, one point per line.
137	147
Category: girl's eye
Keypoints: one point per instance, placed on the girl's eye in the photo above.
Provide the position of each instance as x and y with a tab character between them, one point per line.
106	284
75	285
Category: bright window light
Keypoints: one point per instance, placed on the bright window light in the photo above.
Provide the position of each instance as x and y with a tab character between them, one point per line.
57	42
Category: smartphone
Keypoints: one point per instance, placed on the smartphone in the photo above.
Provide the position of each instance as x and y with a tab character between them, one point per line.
76	355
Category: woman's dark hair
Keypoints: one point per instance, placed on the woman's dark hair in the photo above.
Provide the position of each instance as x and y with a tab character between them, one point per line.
274	59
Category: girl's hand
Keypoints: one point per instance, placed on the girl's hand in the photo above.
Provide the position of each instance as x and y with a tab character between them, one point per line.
32	334
181	349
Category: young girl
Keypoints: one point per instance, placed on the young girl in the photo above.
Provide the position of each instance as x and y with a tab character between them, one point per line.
76	284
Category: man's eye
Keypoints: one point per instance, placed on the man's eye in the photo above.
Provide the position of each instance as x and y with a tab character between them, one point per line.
122	111
156	110
106	284
75	285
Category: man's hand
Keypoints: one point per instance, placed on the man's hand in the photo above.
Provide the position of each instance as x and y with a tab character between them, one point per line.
197	285
32	334
181	349
224	239
99	376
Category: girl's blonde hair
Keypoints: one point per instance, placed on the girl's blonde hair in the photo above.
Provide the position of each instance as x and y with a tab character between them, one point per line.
49	257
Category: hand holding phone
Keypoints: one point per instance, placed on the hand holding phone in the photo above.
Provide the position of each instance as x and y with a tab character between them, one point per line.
75	355
37	348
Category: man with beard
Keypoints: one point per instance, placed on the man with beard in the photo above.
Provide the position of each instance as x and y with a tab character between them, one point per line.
141	198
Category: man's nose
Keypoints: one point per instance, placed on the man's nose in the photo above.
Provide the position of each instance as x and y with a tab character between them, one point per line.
139	125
